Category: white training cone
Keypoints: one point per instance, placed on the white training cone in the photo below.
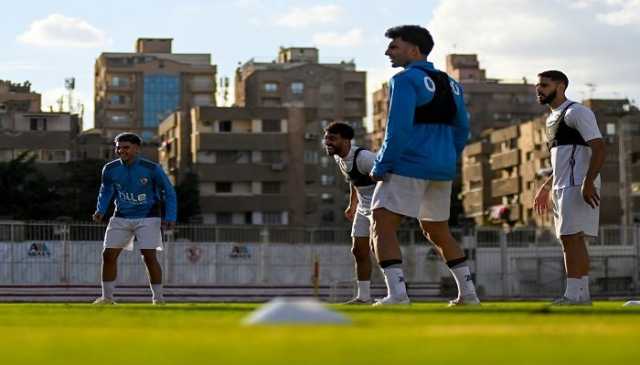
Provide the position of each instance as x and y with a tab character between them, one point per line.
295	311
631	303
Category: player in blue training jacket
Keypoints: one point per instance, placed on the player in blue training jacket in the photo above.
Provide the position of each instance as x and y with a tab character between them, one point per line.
145	201
426	131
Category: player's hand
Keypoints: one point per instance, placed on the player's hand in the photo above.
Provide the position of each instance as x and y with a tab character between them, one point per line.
376	178
168	225
350	213
590	194
97	217
541	201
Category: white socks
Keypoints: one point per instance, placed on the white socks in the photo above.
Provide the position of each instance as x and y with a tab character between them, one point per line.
107	289
394	278
462	275
364	290
578	289
156	290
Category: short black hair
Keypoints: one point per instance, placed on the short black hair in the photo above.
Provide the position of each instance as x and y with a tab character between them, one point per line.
413	34
342	129
128	137
556	75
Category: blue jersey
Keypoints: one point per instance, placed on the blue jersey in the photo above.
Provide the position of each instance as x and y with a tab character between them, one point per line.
420	150
140	190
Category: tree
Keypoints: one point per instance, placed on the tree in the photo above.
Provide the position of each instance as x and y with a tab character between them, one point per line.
188	196
26	193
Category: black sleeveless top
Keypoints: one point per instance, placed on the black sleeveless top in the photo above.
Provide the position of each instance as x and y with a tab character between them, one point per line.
560	134
355	176
442	108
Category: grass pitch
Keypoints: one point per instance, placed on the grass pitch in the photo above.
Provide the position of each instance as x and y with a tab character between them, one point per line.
425	333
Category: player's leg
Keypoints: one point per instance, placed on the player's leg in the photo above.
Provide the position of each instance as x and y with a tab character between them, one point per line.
434	216
154	271
149	235
453	256
360	250
574	220
389	256
118	235
576	262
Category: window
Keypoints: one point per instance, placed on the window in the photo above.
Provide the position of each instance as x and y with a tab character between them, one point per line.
327	180
119	119
611	129
270	87
326	198
118	99
270	187
223	187
233	156
327	216
297	87
271	156
38	124
271	125
119	81
248	218
224	126
224	218
311	157
161	97
272	218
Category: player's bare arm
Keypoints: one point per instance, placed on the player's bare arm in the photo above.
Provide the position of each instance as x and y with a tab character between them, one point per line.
541	200
589	191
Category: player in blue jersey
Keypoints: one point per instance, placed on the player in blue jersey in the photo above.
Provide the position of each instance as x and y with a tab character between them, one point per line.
145	201
426	131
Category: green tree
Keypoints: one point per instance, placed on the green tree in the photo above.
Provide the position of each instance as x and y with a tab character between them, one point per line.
26	193
188	196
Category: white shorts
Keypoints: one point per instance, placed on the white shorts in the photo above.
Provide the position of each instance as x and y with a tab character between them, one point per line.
428	200
121	232
572	214
361	225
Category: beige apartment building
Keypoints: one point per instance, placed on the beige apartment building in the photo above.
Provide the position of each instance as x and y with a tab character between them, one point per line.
506	167
335	92
16	97
248	160
492	103
135	91
380	113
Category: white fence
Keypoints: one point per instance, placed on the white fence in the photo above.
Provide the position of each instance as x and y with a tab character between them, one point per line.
520	264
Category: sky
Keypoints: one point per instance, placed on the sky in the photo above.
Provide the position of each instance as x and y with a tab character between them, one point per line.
596	42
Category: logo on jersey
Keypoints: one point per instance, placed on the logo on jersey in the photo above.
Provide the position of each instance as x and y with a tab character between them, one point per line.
429	84
132	198
144	180
455	88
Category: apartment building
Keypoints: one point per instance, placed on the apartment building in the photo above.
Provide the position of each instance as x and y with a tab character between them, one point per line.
380	112
492	103
135	91
335	92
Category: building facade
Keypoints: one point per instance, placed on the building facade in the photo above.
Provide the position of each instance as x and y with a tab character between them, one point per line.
335	92
492	103
379	119
246	162
135	91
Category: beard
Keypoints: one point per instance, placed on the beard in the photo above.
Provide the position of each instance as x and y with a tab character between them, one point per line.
549	98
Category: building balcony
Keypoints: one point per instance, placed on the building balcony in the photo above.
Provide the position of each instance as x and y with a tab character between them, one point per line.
244	203
502	187
241	172
505	134
505	159
475	172
125	106
120	88
241	141
477	148
202	87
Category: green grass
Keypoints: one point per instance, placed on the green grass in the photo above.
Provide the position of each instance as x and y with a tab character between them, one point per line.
425	333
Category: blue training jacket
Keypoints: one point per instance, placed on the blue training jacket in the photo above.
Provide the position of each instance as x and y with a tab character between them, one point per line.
420	150
138	190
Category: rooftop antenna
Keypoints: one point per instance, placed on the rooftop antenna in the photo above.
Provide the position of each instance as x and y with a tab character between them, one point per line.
70	85
592	89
